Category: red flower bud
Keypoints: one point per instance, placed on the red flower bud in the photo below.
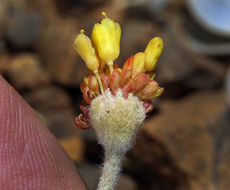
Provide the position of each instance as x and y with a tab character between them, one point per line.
88	95
105	80
84	83
148	105
151	90
128	63
139	82
115	81
126	90
81	122
125	77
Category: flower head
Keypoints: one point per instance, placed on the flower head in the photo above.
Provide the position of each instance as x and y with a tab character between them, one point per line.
135	77
115	100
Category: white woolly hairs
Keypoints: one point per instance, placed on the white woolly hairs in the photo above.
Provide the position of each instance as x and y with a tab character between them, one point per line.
116	121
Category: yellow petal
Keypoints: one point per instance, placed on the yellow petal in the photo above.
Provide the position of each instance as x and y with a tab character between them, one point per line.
152	53
85	49
106	37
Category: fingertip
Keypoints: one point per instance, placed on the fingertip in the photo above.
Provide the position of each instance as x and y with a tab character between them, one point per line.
30	156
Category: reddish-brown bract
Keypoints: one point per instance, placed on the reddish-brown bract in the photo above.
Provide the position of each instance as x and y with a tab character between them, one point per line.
139	84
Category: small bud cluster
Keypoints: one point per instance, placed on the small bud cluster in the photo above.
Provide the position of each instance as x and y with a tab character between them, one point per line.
135	77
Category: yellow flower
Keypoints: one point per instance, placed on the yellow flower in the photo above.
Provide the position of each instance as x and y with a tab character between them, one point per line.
152	53
106	37
85	49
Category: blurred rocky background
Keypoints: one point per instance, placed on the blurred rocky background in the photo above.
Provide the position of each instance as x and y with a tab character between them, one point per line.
185	143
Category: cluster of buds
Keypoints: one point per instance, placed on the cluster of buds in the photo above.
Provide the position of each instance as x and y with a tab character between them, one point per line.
136	76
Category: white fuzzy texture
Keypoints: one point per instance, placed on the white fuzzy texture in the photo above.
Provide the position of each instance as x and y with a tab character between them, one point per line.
116	121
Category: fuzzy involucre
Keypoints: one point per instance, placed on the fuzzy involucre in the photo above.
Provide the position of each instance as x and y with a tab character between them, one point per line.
116	119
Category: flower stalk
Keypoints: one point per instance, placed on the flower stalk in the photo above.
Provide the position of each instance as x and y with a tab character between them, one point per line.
111	170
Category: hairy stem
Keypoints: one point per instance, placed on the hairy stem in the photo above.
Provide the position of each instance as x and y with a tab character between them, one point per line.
111	170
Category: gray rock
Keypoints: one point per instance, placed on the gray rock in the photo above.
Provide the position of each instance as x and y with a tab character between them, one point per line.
54	106
5	61
90	174
136	34
4	15
179	68
2	46
126	182
152	7
187	144
26	71
56	49
24	28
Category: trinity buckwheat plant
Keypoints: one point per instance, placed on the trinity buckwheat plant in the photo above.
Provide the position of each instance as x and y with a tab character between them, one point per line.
116	100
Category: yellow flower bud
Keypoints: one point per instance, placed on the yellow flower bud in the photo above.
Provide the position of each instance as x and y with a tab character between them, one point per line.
152	53
85	49
138	63
93	84
106	37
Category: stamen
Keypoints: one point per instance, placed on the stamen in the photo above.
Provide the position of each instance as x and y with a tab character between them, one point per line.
152	75
91	94
99	81
110	63
80	118
104	14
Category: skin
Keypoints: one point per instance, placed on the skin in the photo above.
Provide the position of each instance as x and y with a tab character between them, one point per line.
30	156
